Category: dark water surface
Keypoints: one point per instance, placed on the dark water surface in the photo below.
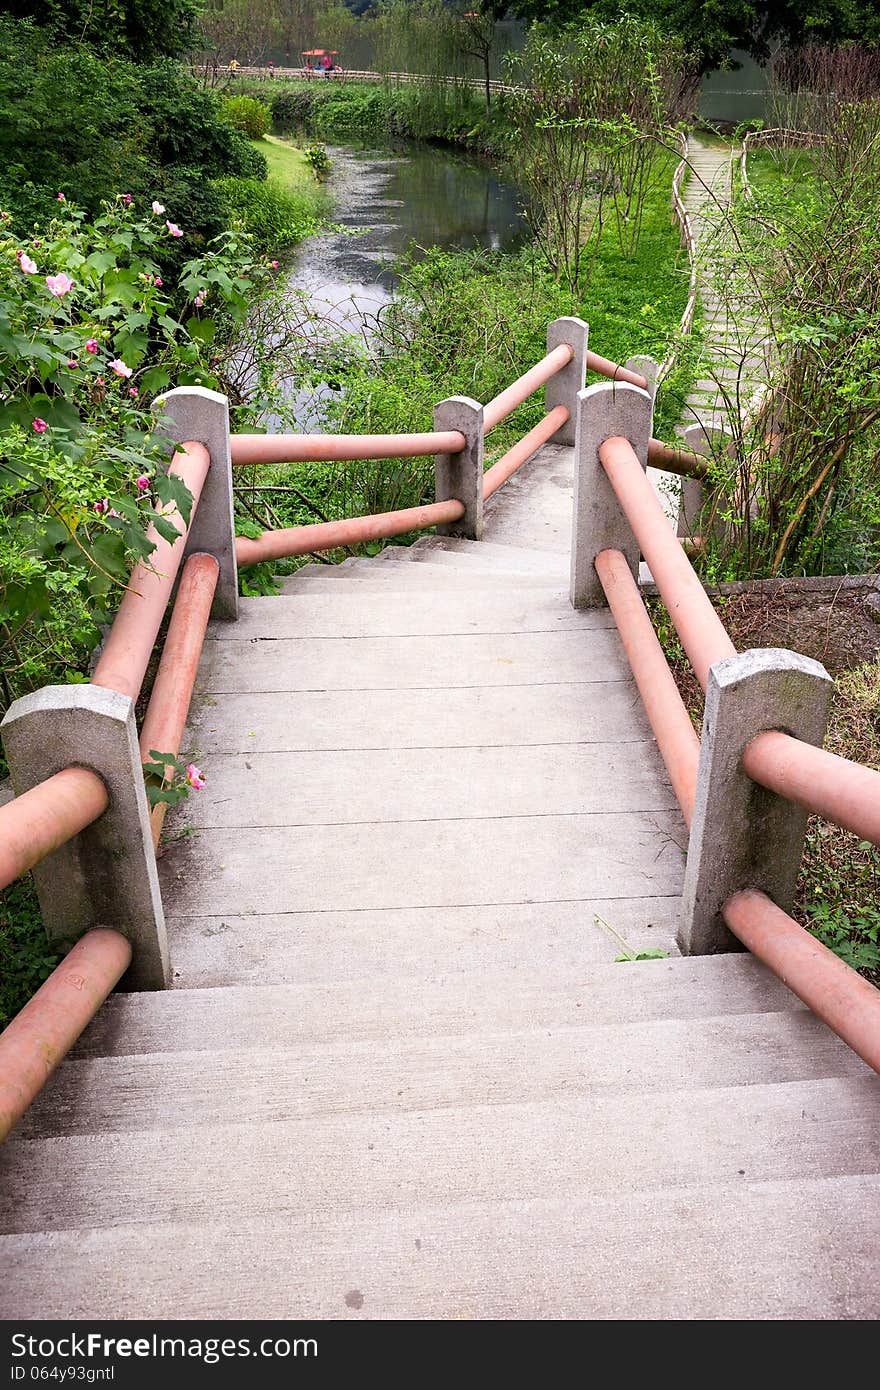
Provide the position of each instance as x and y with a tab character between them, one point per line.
392	199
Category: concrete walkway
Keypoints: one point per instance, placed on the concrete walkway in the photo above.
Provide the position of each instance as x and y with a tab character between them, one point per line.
400	1075
734	342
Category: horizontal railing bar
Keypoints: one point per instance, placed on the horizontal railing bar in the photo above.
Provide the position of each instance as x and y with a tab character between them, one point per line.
165	719
836	993
123	662
701	631
677	739
603	367
680	461
49	1024
518	391
357	530
522	451
843	792
325	448
46	817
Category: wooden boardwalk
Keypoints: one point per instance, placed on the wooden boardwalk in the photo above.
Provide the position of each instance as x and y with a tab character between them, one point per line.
400	1075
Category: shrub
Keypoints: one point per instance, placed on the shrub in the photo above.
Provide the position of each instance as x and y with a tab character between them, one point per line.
90	334
72	122
274	216
319	161
247	114
290	110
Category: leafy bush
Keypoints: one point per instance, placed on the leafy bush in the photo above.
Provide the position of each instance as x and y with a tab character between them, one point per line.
272	215
319	160
88	127
247	114
290	109
88	334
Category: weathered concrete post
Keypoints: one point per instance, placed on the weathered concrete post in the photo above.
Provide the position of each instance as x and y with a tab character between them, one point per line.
743	836
646	367
194	412
461	475
105	876
603	412
563	388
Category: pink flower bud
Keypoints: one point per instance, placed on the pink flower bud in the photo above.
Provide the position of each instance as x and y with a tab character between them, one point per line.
274	265
194	777
173	229
101	506
132	391
61	198
91	345
39	426
72	363
142	483
158	282
99	381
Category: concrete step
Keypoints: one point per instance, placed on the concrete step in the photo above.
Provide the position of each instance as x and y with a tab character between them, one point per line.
436	579
338	786
388	1075
738	1249
558	655
448	1152
479	555
550	992
463	717
342	614
431	942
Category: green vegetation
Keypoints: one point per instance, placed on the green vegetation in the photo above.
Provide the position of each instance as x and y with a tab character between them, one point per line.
247	114
26	958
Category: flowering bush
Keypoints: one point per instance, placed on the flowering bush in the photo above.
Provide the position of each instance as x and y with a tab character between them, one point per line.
90	333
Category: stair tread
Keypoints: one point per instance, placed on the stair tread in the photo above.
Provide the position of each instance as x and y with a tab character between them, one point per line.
387	1075
739	1250
552	992
392	1157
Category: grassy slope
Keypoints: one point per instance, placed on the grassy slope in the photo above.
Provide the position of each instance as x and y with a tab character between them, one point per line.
287	164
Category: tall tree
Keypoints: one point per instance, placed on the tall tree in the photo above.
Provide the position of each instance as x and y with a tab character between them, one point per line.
476	33
140	29
712	28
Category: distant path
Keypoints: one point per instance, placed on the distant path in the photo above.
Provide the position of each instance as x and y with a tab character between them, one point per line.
732	352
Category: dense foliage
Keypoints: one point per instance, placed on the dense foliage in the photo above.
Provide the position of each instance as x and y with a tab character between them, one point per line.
71	121
139	29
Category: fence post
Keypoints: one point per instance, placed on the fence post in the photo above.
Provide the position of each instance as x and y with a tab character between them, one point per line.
743	836
461	475
646	367
106	875
562	389
603	411
194	412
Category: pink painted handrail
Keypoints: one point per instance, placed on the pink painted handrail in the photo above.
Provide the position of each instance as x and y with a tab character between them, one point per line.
604	367
309	448
522	451
501	405
357	530
41	1035
126	654
702	633
165	719
841	791
46	817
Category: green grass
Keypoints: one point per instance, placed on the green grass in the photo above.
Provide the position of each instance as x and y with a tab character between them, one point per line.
784	171
26	957
287	164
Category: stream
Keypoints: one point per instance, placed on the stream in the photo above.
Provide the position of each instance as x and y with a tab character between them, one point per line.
384	201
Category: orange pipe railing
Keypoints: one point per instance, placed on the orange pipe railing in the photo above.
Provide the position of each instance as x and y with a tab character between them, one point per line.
677	739
46	817
41	1035
701	631
319	448
518	391
828	986
522	451
603	367
165	719
680	461
841	791
126	654
357	530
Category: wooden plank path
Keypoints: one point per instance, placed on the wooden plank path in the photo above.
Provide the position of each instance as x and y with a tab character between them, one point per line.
400	1074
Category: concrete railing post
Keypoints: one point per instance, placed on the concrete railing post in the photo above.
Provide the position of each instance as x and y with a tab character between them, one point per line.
646	367
603	412
194	412
563	388
105	876
461	475
743	836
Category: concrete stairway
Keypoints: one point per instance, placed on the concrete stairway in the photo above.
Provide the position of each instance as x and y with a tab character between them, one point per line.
401	1075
